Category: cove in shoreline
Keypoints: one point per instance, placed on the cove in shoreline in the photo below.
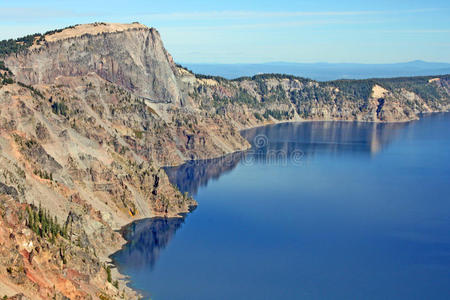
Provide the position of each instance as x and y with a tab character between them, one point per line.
341	222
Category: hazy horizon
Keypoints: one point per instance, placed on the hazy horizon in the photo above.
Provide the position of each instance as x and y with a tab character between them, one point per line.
323	71
312	62
260	31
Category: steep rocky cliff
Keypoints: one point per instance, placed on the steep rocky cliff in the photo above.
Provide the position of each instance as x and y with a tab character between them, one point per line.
131	56
274	98
88	117
90	114
40	260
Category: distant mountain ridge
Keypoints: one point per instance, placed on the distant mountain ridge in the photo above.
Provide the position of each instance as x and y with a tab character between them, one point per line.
323	71
91	113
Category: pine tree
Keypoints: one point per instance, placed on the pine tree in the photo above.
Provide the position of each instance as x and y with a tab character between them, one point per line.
36	221
40	212
30	217
108	273
56	228
64	230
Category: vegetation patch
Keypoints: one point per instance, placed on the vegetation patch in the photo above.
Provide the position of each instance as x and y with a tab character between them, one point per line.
44	225
32	89
277	114
11	46
43	174
7	80
138	133
353	89
258	116
3	66
60	108
261	77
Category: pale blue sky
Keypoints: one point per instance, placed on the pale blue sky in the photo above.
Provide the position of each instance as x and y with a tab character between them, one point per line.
237	31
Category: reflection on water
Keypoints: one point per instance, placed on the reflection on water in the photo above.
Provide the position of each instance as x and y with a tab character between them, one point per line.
270	144
331	137
363	216
194	174
289	143
146	239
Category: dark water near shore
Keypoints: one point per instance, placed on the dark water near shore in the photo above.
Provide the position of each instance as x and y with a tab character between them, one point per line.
320	210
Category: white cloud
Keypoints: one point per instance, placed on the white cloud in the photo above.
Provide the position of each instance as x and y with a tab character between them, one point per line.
271	25
415	31
213	15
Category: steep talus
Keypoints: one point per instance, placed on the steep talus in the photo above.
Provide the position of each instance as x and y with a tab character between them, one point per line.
86	123
87	171
90	115
40	260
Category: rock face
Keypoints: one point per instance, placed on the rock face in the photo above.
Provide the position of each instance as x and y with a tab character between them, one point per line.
130	56
91	114
274	98
41	266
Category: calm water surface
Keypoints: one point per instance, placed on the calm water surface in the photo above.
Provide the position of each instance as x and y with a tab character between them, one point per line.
321	210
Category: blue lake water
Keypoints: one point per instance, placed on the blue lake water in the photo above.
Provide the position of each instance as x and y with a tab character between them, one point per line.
316	210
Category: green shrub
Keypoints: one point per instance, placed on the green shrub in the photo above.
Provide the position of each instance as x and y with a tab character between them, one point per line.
8	80
258	116
60	108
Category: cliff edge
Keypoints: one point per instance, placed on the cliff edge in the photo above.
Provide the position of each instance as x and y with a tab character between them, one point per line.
129	55
90	114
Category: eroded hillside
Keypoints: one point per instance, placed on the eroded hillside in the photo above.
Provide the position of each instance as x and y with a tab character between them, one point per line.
90	114
90	148
274	98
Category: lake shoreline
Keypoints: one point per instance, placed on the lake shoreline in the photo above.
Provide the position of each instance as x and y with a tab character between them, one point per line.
126	279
